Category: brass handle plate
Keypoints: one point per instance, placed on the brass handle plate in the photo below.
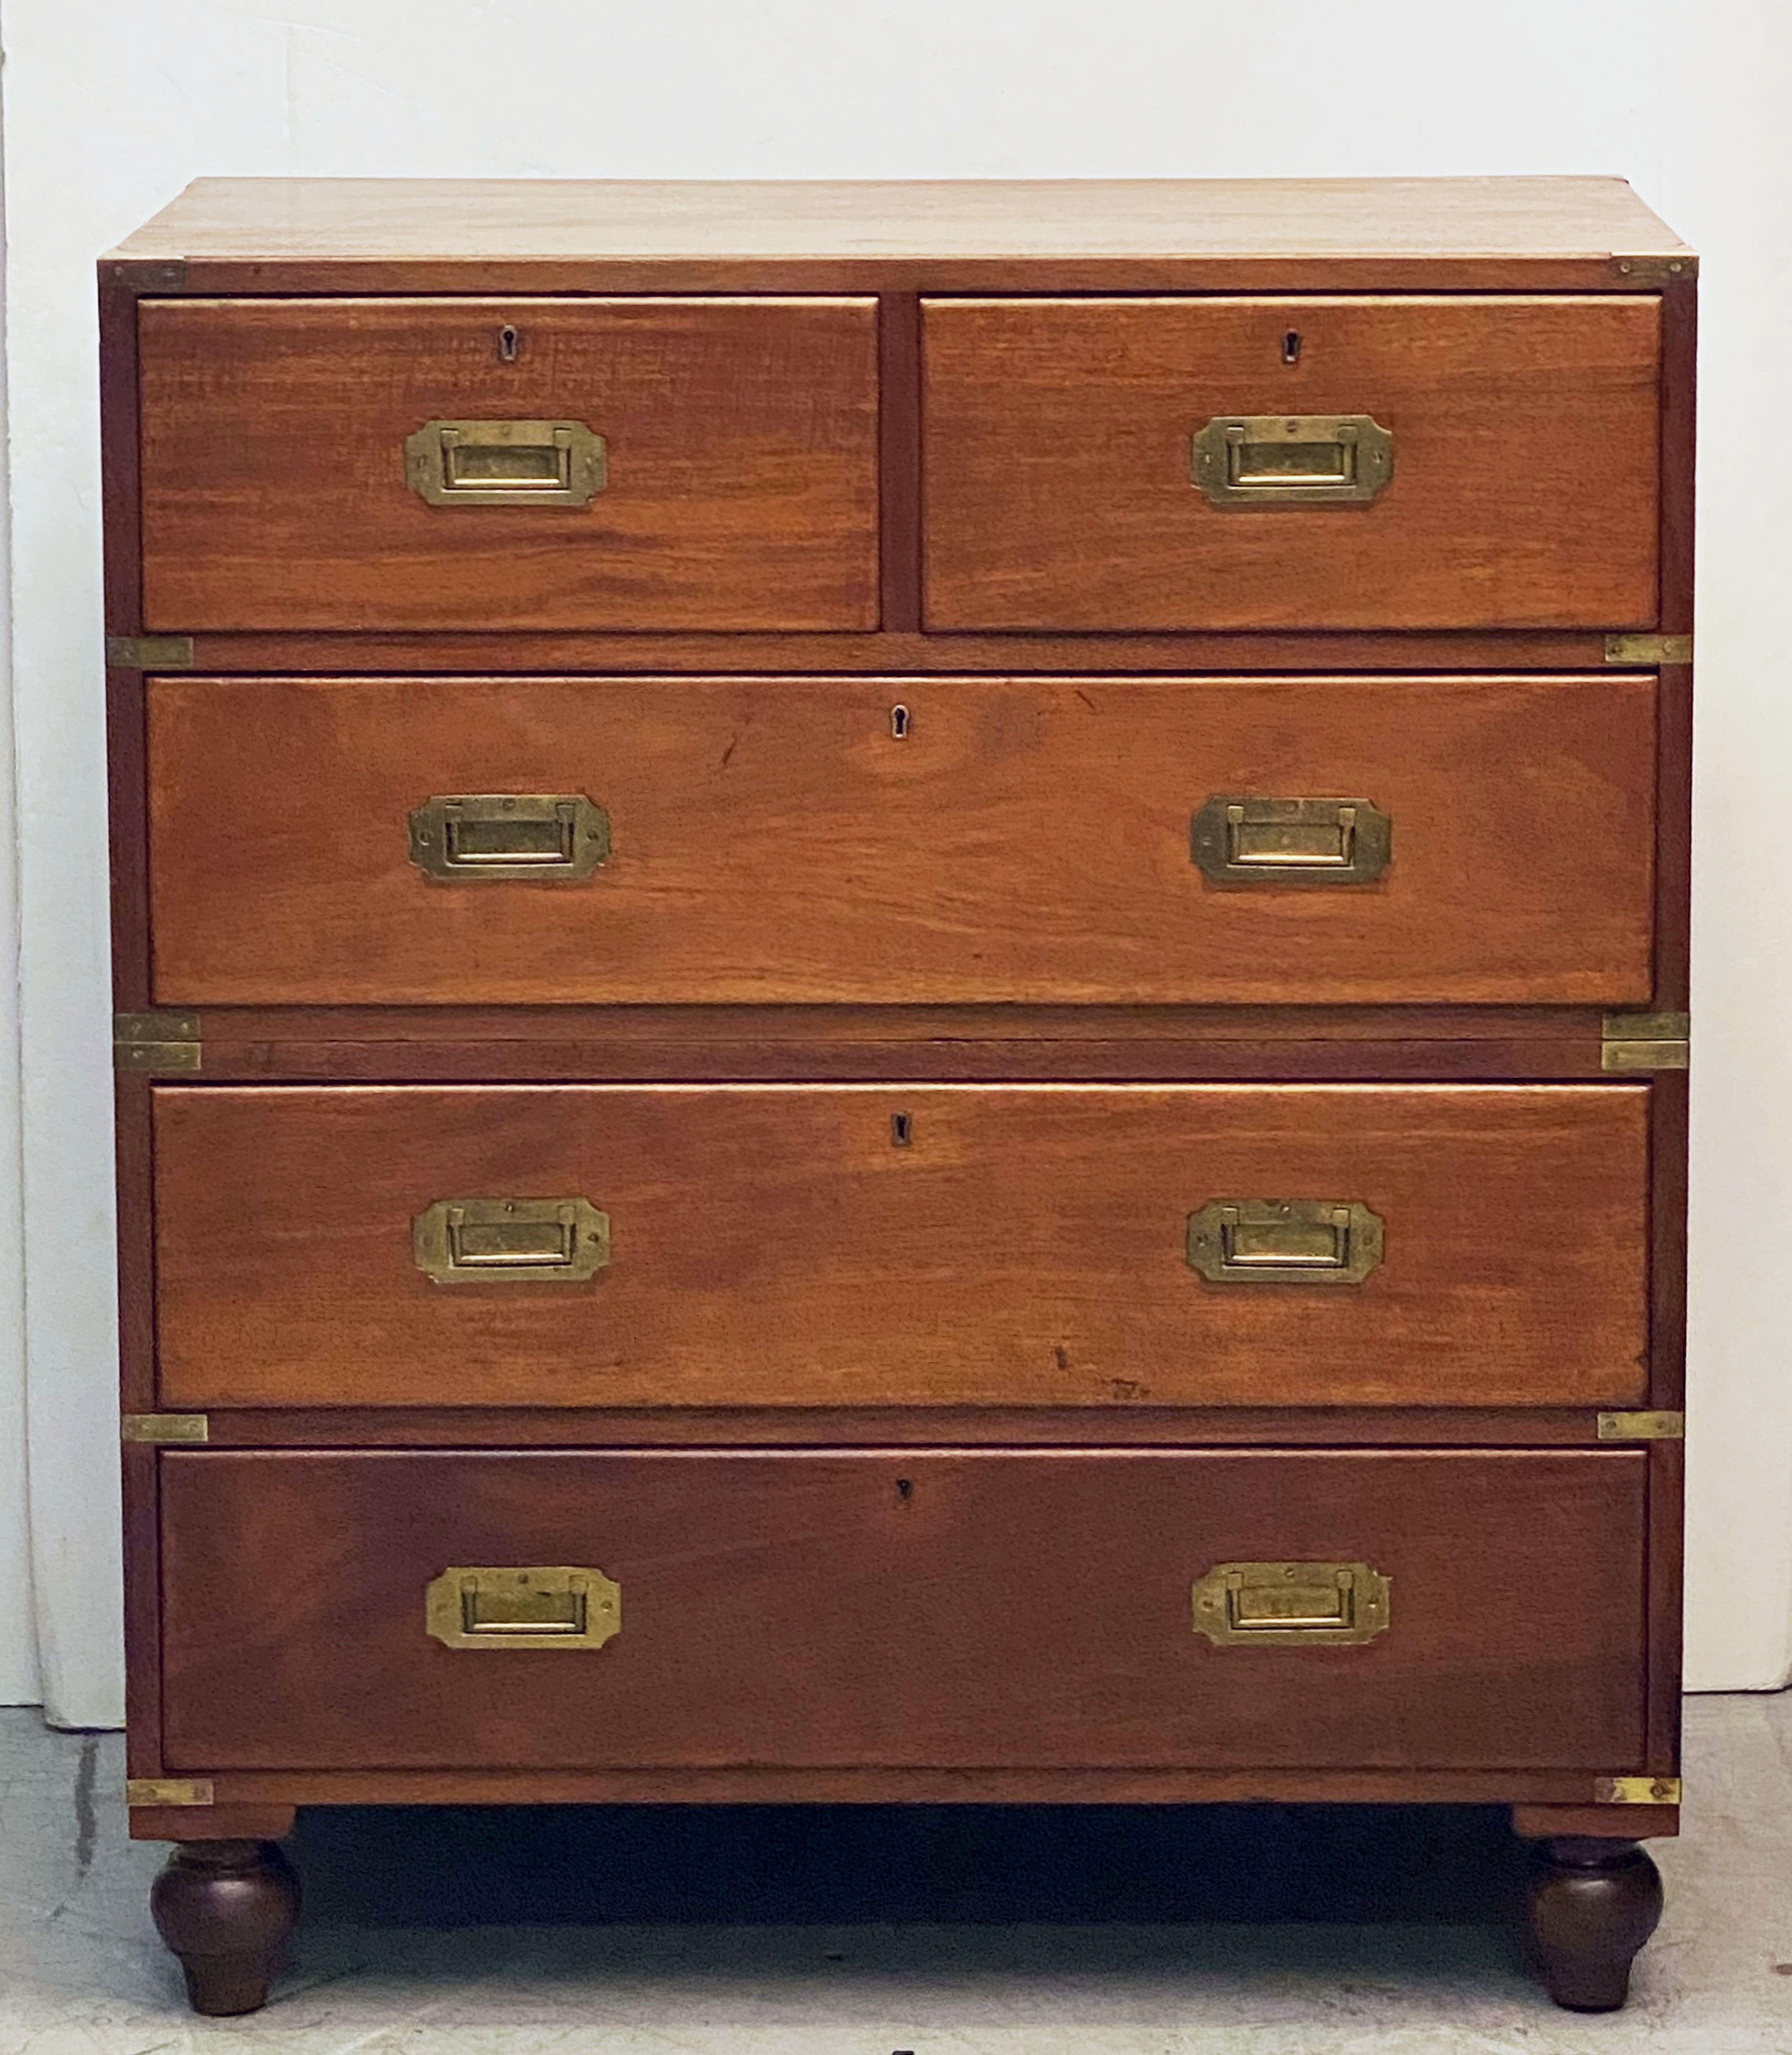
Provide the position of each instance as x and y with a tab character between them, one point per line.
1292	460
1292	1605
510	1241
1236	838
506	463
536	1608
553	837
1285	1241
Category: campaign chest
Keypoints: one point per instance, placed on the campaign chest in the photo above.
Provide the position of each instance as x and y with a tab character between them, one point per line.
902	1006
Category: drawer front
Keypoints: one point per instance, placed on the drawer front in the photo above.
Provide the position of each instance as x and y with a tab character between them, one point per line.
936	1608
650	463
880	1245
1396	840
1519	488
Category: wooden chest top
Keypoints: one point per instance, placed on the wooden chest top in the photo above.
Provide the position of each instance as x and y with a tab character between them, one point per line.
396	236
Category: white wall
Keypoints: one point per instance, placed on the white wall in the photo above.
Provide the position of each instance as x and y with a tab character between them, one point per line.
112	104
18	1647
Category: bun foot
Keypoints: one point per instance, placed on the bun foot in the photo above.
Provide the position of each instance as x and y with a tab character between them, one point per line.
225	1908
1590	1905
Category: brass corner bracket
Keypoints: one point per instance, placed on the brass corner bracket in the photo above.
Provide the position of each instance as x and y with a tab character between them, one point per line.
157	1043
1645	1042
155	274
166	1429
1642	1426
1638	1791
1652	273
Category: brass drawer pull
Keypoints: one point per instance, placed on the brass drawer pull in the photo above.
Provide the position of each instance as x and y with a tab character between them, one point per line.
510	1241
1292	1605
1292	460
538	1607
1285	1241
1237	839
506	463
553	837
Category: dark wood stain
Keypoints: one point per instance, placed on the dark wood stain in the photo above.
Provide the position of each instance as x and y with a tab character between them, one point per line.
1021	1608
1001	899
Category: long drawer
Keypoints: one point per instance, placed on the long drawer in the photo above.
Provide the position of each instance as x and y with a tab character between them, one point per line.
1323	841
1080	1608
1311	462
879	1246
493	464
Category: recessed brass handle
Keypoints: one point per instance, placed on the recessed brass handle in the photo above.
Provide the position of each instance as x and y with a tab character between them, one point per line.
506	463
1292	1605
1244	461
552	838
1285	1241
510	1241
1239	839
541	1606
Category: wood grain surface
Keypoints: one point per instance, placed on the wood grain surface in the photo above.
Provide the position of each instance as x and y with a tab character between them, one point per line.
890	1044
358	236
1026	840
773	1246
742	439
932	1609
1525	487
892	652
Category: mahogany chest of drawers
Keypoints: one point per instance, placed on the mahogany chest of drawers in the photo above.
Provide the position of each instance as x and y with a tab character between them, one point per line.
902	980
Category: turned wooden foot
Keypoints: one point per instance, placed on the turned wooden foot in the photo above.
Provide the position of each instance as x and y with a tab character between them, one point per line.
224	1908
1590	1906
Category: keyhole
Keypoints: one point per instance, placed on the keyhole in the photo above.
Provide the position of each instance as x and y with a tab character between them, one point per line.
510	342
905	1488
899	722
902	1131
1291	346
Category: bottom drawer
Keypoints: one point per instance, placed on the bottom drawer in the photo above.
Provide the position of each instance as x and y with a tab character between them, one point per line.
945	1608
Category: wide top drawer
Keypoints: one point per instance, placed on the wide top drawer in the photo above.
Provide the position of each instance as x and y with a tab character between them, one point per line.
474	464
717	841
1466	462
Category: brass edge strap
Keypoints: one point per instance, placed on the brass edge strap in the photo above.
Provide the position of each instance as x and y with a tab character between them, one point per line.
149	652
164	1430
1648	652
156	1043
1645	1042
1638	1791
169	1790
1642	1426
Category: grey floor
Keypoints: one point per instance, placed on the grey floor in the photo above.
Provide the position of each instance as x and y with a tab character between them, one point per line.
965	1941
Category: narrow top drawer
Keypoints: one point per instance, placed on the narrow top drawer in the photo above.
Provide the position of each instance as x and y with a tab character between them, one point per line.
475	464
1303	462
